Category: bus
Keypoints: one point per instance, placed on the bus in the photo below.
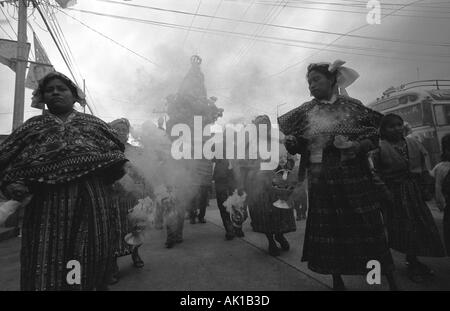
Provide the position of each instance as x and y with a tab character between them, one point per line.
425	105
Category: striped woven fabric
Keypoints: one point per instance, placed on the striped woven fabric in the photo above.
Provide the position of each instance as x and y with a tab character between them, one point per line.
46	149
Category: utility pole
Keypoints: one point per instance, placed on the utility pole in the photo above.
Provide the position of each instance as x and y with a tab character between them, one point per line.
19	91
84	91
21	65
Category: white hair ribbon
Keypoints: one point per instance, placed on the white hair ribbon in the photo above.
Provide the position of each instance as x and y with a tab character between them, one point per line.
345	76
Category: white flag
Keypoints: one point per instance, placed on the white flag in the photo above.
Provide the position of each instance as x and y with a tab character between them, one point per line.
8	53
35	73
38	71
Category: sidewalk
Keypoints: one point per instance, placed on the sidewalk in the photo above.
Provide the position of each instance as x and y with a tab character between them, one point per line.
441	266
205	261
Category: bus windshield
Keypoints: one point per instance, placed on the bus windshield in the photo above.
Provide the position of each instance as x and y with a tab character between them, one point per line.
411	114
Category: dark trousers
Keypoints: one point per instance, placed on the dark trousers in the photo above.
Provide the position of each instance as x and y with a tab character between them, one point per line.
221	196
174	226
200	202
159	216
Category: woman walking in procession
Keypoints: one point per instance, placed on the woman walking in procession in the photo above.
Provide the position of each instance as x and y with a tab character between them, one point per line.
333	134
123	202
400	162
65	159
265	217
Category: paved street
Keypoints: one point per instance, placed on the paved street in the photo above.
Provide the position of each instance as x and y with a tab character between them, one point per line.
205	261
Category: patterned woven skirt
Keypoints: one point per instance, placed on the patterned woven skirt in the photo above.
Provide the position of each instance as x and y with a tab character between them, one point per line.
344	228
411	227
266	218
121	206
63	223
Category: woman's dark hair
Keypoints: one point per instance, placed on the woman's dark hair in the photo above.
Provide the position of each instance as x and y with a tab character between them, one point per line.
67	82
323	69
386	120
445	145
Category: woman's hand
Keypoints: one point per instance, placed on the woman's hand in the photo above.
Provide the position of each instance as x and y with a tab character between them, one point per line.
18	191
349	149
342	142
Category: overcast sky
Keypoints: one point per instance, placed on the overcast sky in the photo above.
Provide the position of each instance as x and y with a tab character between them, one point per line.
247	75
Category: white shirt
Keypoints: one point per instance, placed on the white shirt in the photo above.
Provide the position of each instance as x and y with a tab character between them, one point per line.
330	101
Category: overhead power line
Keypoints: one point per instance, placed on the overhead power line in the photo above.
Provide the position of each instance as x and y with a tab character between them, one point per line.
9	36
36	5
259	30
388	3
364	12
276	40
236	25
414	42
9	23
360	5
109	38
56	33
211	20
66	47
192	22
333	42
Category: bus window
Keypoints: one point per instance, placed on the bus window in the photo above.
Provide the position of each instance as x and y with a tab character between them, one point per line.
413	97
412	115
403	100
386	104
427	115
442	113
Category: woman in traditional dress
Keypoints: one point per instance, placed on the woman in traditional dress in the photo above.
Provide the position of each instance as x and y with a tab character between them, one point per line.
123	201
400	162
65	159
265	217
442	187
333	133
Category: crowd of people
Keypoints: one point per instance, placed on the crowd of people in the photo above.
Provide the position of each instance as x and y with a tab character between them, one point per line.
357	184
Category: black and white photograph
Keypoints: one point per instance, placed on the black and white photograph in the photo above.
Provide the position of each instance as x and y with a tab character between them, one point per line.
225	151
